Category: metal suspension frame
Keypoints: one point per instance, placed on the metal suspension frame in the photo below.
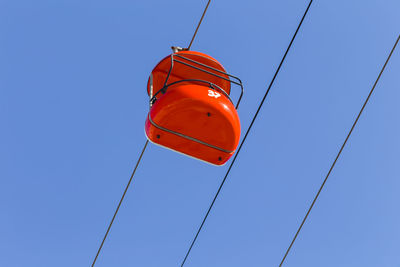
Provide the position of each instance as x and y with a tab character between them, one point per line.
213	86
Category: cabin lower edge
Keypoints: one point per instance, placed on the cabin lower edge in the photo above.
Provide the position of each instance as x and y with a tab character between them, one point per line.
186	146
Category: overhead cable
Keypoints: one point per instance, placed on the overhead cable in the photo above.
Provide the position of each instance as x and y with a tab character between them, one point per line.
245	136
338	155
140	157
120	202
198	25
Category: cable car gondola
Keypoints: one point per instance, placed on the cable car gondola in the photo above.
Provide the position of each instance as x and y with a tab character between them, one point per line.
191	111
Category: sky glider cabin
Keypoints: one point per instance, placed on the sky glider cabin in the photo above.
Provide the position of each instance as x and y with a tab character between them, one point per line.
191	111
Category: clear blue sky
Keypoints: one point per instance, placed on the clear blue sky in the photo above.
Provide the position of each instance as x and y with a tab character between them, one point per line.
73	104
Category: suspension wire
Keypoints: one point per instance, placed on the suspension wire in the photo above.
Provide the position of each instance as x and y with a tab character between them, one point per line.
198	25
247	132
120	202
337	156
140	157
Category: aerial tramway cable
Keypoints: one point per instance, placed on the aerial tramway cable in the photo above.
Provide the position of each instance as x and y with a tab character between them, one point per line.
140	157
245	136
120	202
198	25
338	155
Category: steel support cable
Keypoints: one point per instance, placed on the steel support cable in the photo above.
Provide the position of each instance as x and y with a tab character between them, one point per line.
247	132
140	157
198	25
120	202
338	155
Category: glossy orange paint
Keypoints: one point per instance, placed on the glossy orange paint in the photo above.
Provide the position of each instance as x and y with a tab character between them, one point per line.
191	117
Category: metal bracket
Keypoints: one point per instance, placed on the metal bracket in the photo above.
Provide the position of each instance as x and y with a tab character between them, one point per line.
177	49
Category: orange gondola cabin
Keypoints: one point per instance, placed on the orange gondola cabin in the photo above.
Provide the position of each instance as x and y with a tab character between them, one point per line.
191	111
